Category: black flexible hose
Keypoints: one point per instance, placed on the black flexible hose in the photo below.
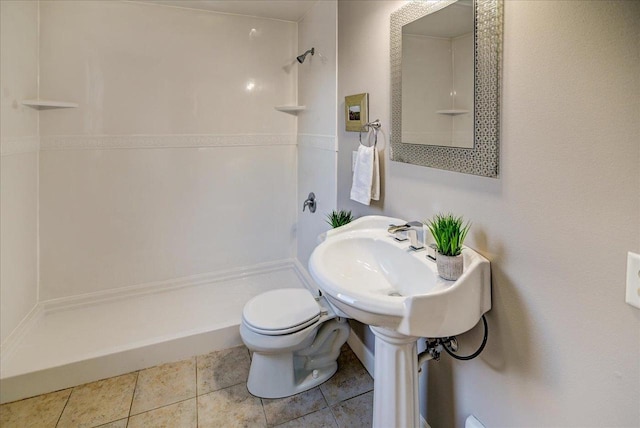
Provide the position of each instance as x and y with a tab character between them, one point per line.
475	354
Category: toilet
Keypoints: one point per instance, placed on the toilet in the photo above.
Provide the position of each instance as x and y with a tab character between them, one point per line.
295	338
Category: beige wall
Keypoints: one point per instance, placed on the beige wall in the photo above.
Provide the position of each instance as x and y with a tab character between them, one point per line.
175	163
563	346
19	163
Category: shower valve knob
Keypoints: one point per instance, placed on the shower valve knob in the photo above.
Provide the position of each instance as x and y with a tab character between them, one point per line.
310	202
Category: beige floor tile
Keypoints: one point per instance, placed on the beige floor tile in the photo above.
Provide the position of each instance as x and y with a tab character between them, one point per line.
182	415
41	411
222	369
350	380
280	410
122	423
320	419
165	384
99	402
230	407
356	412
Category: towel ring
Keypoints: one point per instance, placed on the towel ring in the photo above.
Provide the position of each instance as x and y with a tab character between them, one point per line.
375	126
375	138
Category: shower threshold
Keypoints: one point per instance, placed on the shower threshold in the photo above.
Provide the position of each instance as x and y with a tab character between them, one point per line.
67	345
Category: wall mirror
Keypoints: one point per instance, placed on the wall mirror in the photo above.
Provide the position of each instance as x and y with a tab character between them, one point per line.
445	85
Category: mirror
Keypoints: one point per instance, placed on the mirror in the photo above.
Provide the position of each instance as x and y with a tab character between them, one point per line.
437	78
445	82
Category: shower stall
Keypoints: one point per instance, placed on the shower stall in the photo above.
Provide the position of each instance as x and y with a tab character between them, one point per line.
149	187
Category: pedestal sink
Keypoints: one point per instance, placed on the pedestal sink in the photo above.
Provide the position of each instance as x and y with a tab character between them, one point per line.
369	276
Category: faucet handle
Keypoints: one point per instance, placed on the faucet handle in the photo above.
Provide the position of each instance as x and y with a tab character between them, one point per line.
394	228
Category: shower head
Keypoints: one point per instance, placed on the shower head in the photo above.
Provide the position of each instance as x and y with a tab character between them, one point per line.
301	58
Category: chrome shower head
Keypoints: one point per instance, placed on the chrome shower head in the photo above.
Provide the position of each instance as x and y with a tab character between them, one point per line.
301	58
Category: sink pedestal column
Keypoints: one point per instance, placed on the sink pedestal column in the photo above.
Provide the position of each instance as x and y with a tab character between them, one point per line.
395	391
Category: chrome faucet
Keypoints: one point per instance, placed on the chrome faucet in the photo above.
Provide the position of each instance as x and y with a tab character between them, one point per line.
412	229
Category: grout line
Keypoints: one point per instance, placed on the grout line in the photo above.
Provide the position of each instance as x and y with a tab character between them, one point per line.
264	412
333	415
167	404
197	389
135	387
162	407
65	406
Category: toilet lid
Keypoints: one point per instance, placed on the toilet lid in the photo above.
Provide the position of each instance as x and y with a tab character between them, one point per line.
281	311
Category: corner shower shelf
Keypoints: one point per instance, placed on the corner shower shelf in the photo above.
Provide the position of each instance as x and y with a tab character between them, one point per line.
39	104
290	109
452	112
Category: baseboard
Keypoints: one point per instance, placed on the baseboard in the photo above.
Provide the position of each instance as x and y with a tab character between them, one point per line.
363	353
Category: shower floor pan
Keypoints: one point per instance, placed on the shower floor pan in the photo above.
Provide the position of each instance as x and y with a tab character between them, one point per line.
70	344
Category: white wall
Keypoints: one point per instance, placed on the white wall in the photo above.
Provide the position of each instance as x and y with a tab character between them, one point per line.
462	48
176	162
563	346
19	168
317	87
433	81
427	78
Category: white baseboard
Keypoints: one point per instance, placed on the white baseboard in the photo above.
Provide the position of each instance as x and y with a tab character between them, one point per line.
362	352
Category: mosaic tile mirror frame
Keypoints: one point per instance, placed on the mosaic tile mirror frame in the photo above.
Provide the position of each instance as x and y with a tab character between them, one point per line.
483	158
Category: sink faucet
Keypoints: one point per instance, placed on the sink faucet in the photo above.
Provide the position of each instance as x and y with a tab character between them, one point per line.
412	229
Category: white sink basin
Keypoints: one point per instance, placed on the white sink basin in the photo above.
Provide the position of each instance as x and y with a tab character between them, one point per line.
373	278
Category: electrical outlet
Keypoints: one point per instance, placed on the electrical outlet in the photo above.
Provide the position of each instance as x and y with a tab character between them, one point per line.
353	160
633	279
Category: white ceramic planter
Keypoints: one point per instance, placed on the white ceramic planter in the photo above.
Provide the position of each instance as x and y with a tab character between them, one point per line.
449	267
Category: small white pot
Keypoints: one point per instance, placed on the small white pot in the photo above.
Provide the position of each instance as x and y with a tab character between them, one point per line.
449	267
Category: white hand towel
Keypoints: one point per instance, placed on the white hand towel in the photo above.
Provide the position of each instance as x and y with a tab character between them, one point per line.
366	176
375	180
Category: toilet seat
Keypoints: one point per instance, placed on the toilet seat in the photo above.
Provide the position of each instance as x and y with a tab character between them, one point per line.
281	312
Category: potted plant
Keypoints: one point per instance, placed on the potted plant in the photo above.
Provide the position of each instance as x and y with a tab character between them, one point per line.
449	233
339	218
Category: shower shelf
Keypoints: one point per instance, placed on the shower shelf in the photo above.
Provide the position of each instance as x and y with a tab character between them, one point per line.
452	112
40	104
290	109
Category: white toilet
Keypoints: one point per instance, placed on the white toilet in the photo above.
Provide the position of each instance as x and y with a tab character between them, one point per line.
295	338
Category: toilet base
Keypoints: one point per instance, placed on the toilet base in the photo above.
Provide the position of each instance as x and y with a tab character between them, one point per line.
283	365
270	375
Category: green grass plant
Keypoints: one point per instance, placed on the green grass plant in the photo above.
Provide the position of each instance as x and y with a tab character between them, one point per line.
449	233
339	218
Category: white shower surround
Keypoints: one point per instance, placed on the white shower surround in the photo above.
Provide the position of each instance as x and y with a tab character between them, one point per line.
139	185
142	153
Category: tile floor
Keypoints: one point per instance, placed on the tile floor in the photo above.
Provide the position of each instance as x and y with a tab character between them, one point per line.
204	391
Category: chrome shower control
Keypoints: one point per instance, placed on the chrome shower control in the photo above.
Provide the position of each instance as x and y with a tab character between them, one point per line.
310	202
